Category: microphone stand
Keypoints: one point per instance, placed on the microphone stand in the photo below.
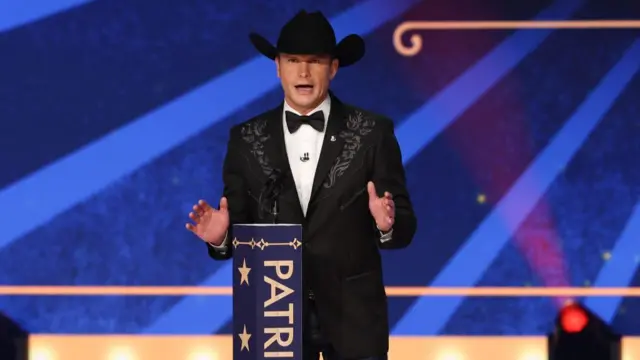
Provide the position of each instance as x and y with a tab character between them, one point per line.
275	206
268	200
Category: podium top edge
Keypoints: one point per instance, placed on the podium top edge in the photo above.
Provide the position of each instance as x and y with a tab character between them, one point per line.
265	225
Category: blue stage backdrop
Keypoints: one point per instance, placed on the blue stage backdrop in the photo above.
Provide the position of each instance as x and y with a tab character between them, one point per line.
521	148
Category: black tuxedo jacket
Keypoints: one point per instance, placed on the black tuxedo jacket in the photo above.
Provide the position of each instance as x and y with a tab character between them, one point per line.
341	257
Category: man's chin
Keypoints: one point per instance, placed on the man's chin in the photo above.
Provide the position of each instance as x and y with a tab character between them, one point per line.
305	101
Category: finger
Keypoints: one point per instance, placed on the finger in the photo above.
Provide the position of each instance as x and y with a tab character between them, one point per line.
224	204
198	210
190	227
388	195
391	204
204	205
371	188
390	210
194	217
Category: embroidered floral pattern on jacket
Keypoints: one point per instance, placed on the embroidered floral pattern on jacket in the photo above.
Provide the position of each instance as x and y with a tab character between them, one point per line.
358	126
253	133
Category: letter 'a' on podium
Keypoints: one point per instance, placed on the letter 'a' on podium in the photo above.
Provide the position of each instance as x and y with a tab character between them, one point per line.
267	291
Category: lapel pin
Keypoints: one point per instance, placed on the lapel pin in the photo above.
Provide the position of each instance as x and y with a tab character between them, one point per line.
333	138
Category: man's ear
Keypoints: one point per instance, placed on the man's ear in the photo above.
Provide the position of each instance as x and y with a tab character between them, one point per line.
335	64
277	61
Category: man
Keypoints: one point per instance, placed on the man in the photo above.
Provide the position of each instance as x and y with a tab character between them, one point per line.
343	180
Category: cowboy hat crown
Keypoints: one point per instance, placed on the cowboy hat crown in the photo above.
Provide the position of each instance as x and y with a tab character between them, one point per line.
310	33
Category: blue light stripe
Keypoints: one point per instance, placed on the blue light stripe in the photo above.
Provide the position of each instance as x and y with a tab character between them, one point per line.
413	131
59	186
14	13
619	270
428	315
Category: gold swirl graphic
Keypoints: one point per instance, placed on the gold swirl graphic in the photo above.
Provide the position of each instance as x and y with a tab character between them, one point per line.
415	40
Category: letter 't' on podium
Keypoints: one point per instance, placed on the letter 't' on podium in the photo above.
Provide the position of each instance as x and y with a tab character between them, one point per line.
267	291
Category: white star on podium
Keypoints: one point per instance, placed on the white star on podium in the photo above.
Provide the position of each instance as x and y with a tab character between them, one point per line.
244	272
244	337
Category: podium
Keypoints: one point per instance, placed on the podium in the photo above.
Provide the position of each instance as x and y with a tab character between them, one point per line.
267	291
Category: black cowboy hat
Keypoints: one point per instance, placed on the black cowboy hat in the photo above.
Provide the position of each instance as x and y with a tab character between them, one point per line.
310	33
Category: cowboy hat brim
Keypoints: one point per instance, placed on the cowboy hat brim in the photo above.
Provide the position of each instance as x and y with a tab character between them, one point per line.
348	51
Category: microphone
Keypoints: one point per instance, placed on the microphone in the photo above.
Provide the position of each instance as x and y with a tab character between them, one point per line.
268	199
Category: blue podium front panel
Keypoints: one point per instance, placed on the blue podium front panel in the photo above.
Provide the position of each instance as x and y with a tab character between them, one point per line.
267	291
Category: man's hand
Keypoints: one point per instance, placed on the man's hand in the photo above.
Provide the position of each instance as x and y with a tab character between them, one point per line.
382	208
210	225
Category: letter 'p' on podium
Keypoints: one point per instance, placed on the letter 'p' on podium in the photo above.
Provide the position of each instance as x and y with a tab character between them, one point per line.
267	291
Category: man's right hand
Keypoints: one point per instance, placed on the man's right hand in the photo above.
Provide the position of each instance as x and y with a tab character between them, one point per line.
209	224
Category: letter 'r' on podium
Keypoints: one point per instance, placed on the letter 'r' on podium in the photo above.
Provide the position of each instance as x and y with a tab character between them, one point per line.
267	291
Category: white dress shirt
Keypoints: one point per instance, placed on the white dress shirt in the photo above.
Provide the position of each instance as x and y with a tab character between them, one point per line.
303	150
306	143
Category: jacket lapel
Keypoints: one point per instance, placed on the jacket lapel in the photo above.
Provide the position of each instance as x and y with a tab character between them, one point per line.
331	146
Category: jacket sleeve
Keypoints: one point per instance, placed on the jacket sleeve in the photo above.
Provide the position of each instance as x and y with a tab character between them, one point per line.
235	191
389	175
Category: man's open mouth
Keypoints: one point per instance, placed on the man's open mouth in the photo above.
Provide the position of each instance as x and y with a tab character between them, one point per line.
304	89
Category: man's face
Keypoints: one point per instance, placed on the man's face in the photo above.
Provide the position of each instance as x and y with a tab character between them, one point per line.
305	79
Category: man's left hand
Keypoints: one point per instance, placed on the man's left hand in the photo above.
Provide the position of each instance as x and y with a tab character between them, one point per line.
382	208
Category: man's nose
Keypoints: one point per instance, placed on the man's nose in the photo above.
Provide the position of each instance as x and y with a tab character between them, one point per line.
304	70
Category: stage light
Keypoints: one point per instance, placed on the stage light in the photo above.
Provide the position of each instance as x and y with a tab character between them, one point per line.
573	318
42	353
121	353
537	354
450	355
579	334
203	355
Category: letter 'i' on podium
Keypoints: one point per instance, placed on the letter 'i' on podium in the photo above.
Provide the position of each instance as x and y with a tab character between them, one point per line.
267	291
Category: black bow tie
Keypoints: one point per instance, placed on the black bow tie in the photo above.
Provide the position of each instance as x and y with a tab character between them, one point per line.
316	120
